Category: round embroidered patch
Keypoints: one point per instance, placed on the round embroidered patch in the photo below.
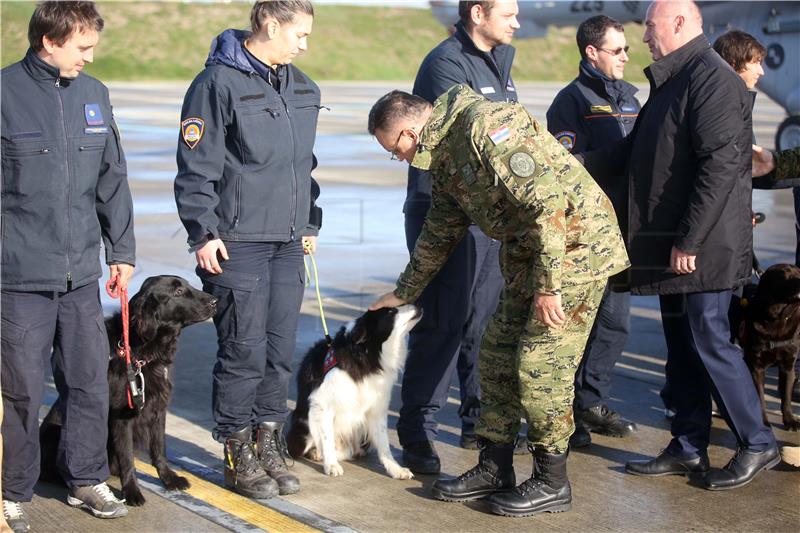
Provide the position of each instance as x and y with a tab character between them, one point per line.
522	164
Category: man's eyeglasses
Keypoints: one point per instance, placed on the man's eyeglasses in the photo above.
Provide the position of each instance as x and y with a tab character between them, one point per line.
394	150
616	51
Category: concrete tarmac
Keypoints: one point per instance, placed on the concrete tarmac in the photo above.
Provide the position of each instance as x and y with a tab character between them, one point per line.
361	252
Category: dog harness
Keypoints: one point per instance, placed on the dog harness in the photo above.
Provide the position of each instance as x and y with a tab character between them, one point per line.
329	362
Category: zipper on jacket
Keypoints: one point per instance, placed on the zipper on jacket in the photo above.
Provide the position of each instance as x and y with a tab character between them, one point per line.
238	199
69	181
293	211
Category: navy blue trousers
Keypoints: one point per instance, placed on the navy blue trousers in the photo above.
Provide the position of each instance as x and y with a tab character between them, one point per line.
603	350
68	327
703	363
259	294
457	306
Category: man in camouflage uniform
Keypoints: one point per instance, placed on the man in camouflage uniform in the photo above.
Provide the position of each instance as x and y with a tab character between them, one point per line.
785	163
493	164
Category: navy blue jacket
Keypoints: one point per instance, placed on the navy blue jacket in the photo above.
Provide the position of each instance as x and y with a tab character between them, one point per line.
245	150
590	113
64	177
457	60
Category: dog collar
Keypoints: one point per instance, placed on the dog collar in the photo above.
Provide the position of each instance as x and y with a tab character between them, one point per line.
329	362
780	344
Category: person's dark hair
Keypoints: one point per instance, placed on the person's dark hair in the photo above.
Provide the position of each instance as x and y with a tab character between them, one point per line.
738	49
592	31
59	20
283	11
465	7
393	106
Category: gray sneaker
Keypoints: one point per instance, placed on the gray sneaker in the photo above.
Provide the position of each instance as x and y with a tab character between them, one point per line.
15	517
98	499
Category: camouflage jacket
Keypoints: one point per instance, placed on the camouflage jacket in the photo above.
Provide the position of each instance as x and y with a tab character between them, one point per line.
787	164
493	164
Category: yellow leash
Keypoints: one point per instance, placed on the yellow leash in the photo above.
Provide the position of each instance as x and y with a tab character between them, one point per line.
316	286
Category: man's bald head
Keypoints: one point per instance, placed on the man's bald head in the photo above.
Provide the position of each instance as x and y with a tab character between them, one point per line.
670	25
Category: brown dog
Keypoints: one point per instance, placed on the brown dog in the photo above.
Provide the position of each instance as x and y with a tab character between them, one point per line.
770	334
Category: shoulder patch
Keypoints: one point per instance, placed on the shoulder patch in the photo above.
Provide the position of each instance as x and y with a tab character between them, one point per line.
192	131
499	135
601	109
522	164
566	139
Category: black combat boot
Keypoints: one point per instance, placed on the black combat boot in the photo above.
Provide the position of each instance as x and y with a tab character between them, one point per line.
494	472
243	474
271	451
547	489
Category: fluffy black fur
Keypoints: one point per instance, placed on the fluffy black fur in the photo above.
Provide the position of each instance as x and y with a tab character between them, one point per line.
358	353
158	312
770	334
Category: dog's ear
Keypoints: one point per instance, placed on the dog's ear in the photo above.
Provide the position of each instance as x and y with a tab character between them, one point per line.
359	332
144	316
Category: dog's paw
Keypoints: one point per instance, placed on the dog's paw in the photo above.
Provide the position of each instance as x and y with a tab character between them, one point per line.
176	482
400	473
133	497
791	424
314	455
334	470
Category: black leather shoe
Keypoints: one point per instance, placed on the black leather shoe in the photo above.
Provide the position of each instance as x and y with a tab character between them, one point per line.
493	473
600	419
742	468
581	438
665	464
421	458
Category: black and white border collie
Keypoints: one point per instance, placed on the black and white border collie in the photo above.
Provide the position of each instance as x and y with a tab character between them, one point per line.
343	393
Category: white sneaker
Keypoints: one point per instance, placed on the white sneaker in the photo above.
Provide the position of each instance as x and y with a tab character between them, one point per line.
98	499
15	516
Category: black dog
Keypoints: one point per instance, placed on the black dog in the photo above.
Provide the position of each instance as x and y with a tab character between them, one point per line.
770	334
158	312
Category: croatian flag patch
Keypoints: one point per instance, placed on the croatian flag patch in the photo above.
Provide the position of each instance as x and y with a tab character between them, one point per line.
499	135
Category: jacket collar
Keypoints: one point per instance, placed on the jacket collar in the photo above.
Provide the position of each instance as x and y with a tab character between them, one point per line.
599	83
39	69
446	109
227	49
666	67
499	58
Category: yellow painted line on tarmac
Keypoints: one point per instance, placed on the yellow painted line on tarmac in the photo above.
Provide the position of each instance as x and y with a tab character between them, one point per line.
234	504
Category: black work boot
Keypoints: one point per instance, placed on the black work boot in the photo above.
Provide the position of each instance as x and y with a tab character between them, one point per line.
494	472
546	490
243	474
271	452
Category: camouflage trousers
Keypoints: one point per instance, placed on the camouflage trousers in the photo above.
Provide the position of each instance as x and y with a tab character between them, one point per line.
528	370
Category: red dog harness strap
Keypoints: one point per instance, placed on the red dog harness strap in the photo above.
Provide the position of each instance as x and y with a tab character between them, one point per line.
329	362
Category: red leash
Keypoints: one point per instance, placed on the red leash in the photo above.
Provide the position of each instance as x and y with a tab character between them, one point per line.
135	399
